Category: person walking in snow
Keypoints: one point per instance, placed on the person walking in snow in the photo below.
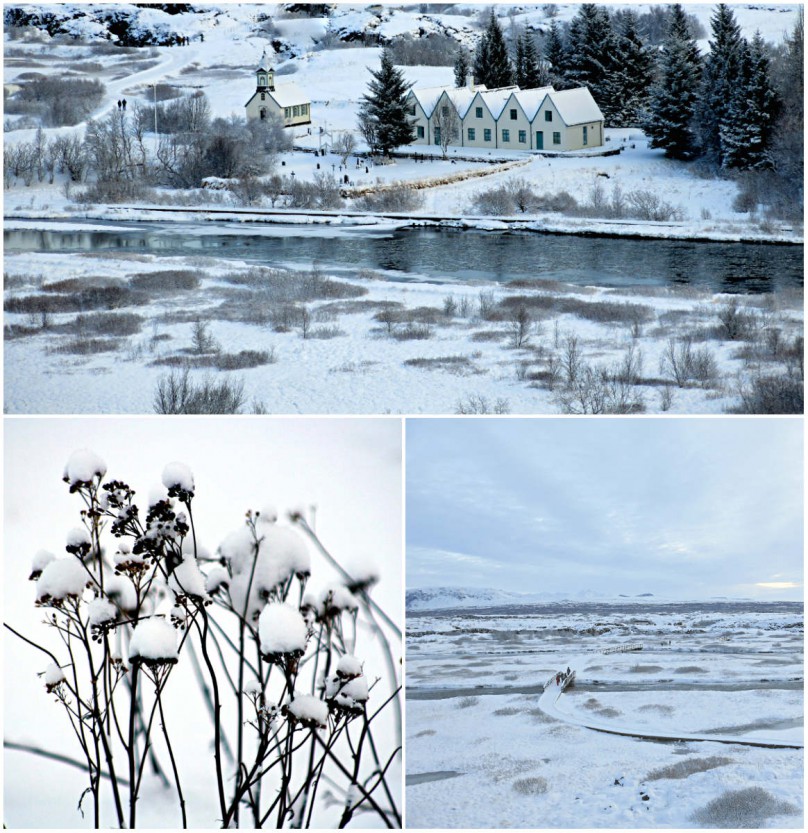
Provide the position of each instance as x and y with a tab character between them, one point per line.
123	102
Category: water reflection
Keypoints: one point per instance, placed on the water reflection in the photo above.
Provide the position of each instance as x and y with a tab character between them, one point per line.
450	254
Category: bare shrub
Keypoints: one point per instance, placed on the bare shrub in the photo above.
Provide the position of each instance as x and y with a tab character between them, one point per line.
202	340
165	281
395	198
177	393
107	324
412	331
750	807
485	300
520	326
467	702
458	365
449	306
688	767
476	403
772	394
56	100
735	323
244	359
530	786
86	346
685	363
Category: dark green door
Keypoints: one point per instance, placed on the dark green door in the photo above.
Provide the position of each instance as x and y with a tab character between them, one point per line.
539	140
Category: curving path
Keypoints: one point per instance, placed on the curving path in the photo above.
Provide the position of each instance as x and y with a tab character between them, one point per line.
548	703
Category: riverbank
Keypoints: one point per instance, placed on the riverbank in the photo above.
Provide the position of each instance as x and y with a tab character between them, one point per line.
646	230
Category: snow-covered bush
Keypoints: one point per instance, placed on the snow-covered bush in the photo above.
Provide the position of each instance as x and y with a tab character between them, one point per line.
292	701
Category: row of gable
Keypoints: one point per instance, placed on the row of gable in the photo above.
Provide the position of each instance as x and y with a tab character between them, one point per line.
508	118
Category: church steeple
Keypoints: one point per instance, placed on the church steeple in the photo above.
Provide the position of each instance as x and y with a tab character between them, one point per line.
265	75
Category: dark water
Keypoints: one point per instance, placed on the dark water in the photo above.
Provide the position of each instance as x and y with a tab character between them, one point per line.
446	255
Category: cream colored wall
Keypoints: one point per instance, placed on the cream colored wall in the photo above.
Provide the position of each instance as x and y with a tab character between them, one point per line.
255	104
487	121
514	126
419	120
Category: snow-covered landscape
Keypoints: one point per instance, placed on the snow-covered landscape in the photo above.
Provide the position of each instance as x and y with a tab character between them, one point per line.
84	333
482	751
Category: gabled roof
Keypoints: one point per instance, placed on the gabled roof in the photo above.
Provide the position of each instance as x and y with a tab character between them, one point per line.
263	64
576	106
285	95
530	100
495	100
462	97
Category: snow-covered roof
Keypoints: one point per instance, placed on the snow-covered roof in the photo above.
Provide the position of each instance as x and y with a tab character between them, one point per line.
495	100
263	64
287	95
576	106
530	100
428	97
462	97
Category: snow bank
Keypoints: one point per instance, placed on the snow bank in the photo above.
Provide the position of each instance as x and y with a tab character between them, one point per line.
61	578
282	630
153	641
83	466
308	710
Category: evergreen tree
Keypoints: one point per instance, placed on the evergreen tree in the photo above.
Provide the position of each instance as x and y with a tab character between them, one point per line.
747	128
462	67
498	72
673	96
591	57
519	62
535	73
383	117
788	146
555	55
634	71
719	82
481	60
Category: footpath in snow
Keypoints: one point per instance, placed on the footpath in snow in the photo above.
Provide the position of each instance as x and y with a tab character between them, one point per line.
549	704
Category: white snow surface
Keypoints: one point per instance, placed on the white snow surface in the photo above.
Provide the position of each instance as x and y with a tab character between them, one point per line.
282	629
61	578
83	466
153	639
178	475
309	708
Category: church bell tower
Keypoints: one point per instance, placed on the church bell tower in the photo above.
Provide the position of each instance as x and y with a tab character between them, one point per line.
265	76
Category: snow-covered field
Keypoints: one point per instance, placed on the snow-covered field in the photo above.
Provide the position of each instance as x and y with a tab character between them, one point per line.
481	753
109	357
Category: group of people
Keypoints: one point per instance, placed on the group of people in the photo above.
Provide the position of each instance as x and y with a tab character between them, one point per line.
184	40
563	676
121	103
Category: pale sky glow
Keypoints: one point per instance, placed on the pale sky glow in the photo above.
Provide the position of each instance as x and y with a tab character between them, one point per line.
684	508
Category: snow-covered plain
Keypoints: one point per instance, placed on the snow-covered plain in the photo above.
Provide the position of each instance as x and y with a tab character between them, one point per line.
351	362
481	753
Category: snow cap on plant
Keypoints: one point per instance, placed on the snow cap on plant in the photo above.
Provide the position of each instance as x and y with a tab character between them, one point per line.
82	467
78	541
347	695
127	563
217	578
268	515
349	667
364	575
282	554
187	582
120	592
63	578
53	676
283	633
153	643
102	614
38	563
331	602
179	481
308	711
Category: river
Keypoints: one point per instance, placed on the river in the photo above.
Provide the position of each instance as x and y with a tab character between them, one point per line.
451	255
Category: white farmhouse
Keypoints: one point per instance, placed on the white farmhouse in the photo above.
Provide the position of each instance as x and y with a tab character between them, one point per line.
508	118
285	101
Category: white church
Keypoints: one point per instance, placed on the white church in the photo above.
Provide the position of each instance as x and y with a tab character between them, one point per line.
507	117
286	101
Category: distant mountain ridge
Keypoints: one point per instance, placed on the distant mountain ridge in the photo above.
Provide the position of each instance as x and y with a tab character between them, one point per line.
440	598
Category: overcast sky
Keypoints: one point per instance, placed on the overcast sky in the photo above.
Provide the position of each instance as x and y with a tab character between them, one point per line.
682	508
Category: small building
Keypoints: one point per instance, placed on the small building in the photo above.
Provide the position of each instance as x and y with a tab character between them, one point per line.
542	119
285	101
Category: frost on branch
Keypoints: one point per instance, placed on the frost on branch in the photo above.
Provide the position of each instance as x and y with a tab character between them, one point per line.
179	481
154	643
283	632
61	579
39	562
308	711
82	467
